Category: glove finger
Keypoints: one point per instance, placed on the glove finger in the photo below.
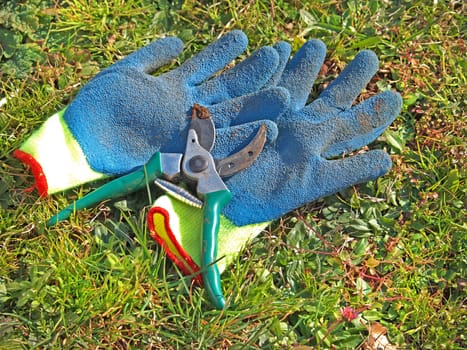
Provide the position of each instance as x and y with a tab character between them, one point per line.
233	139
362	124
341	93
343	173
264	104
152	56
248	76
283	49
301	72
213	58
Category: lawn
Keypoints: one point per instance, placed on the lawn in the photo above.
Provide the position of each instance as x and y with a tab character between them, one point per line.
380	264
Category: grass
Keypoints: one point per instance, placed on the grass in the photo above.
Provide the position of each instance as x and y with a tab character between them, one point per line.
393	251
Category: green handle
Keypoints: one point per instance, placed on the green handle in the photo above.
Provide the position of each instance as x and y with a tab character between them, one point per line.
114	189
213	204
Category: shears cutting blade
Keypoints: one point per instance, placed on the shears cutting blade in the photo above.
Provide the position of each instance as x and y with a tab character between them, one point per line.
196	165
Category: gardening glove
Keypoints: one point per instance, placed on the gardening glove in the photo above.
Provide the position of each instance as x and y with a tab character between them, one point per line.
304	164
124	115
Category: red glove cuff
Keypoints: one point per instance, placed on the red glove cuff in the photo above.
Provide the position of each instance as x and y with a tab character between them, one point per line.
159	228
36	170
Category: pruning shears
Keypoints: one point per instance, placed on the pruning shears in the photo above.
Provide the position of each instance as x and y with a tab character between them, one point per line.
196	165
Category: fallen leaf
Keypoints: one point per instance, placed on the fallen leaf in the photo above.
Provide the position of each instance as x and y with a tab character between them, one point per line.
377	339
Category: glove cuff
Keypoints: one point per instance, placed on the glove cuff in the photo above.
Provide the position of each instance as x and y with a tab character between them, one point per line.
177	227
55	158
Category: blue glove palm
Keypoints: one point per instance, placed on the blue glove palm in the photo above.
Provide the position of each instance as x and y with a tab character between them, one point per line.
124	115
298	168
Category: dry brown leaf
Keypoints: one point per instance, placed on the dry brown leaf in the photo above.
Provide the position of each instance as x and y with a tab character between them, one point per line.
377	339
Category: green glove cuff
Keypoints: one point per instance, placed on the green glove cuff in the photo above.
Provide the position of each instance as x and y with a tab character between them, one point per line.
55	157
176	226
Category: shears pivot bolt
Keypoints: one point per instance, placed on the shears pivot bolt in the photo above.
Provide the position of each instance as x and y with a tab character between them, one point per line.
198	164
